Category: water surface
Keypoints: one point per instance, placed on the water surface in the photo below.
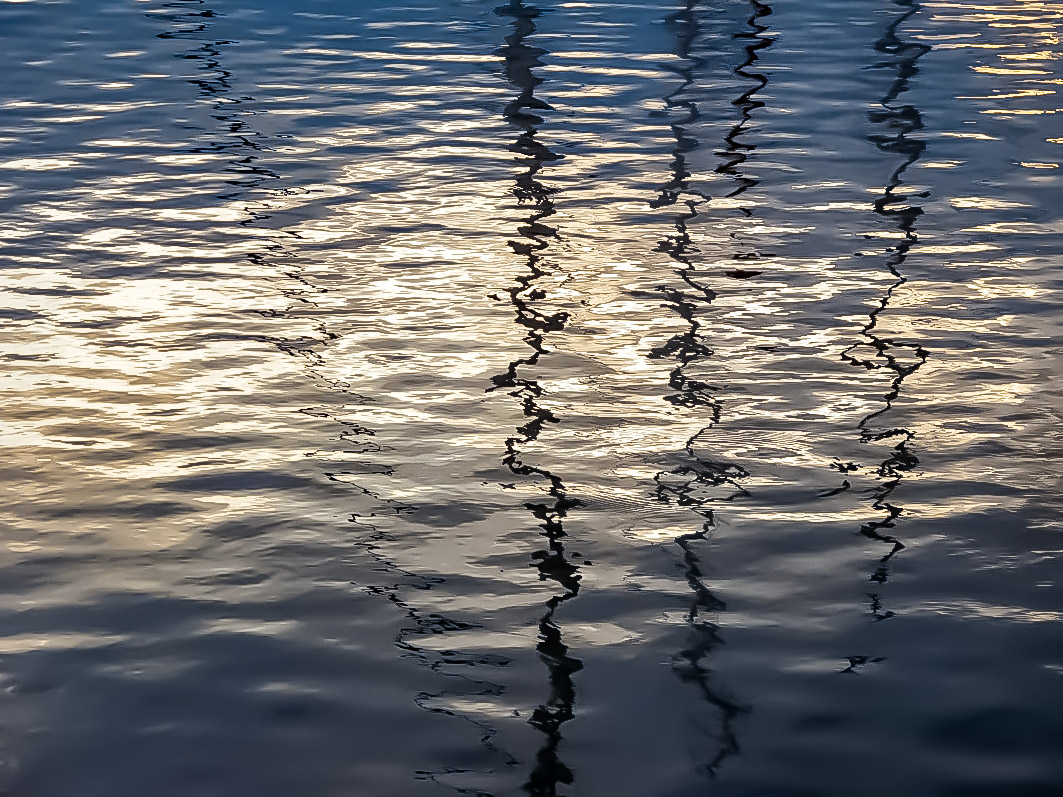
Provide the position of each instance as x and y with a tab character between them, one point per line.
629	398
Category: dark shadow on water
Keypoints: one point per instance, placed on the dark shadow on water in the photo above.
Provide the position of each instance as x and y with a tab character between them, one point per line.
893	125
552	561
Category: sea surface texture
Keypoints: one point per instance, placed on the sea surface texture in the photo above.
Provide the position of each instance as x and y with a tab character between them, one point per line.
623	398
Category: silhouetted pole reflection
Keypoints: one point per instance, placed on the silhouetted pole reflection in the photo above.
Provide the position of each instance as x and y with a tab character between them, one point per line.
243	145
897	122
214	82
693	485
552	562
735	150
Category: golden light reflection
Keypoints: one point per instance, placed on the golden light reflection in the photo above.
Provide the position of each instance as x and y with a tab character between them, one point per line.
242	339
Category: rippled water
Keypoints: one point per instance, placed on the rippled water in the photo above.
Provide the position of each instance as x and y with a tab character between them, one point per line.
585	398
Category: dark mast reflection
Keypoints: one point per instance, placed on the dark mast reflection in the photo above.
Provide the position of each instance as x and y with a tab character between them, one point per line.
737	151
243	145
895	123
214	82
698	483
552	562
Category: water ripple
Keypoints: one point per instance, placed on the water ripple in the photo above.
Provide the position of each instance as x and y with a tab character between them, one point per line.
518	399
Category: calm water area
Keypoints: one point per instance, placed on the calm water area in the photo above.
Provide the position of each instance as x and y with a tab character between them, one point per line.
628	398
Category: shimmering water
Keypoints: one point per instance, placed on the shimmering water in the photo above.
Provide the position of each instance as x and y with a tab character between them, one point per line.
585	398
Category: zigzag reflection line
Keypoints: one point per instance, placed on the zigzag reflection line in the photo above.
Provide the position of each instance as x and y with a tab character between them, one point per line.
244	144
553	562
900	122
690	347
